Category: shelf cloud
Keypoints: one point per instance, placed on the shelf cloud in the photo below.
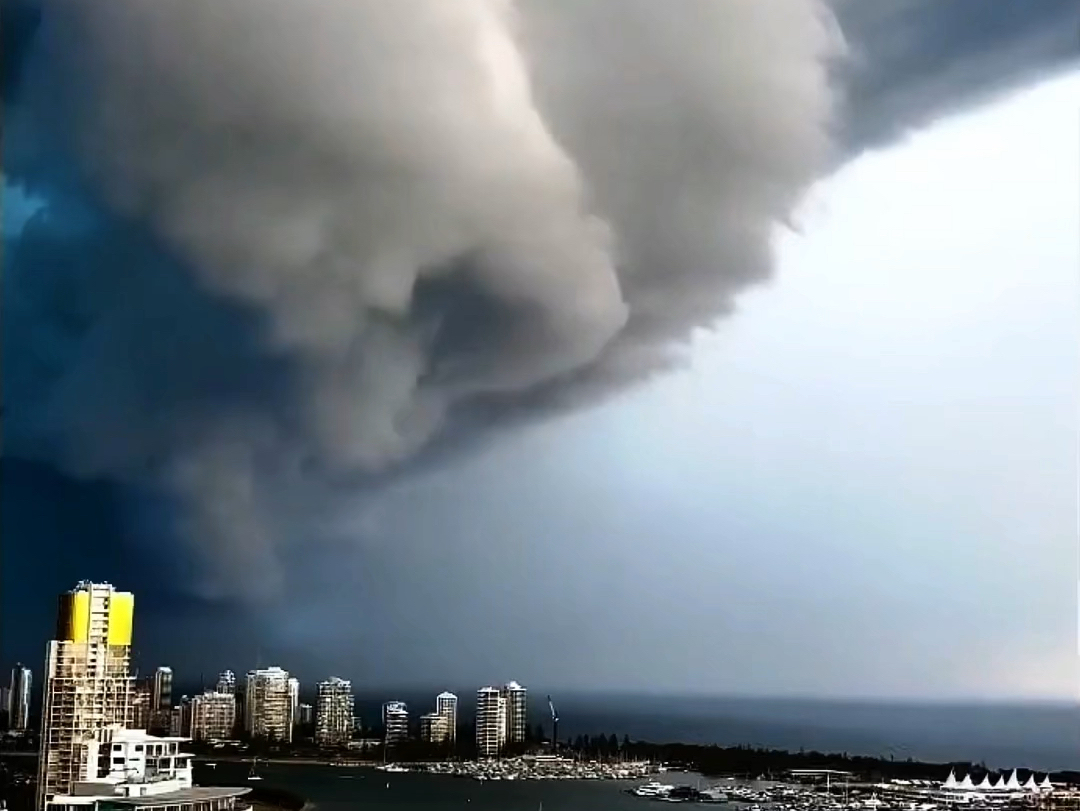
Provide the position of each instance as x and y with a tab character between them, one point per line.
292	250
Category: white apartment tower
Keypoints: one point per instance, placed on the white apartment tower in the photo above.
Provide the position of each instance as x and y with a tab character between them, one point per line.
490	721
268	705
396	722
516	719
18	698
87	684
334	712
446	707
294	701
213	716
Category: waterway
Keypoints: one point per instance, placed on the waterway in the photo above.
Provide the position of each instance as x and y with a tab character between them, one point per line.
337	789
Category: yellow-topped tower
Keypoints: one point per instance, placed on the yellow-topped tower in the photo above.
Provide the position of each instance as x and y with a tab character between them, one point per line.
87	684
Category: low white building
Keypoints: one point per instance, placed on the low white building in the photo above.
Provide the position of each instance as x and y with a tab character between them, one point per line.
131	768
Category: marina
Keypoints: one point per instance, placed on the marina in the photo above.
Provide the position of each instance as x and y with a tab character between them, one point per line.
535	767
811	790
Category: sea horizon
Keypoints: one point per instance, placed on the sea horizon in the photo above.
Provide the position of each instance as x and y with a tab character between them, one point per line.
1039	734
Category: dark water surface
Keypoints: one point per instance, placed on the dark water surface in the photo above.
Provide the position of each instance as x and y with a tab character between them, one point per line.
336	789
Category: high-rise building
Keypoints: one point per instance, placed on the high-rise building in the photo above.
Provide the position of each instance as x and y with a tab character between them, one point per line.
396	722
306	714
490	721
87	683
141	704
162	692
334	712
446	706
268	705
5	700
433	728
213	716
226	682
18	699
516	720
294	701
161	700
180	719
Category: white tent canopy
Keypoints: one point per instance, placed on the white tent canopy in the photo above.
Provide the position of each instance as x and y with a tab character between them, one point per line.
1013	782
950	781
966	783
1030	783
1046	785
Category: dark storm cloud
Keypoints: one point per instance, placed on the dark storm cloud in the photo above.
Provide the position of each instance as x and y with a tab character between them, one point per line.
913	60
306	264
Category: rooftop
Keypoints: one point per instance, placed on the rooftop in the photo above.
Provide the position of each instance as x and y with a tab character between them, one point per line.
186	795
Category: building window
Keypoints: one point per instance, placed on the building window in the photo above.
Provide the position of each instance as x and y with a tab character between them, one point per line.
138	747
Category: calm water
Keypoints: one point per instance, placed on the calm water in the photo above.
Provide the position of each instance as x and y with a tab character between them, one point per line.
336	789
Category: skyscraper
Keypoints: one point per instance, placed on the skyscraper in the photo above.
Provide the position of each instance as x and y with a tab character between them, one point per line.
226	682
142	710
161	702
334	712
305	714
516	720
213	716
268	704
395	722
446	706
180	719
87	685
18	699
432	728
294	701
490	721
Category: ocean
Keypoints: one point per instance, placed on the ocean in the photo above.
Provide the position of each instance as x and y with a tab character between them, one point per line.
1039	736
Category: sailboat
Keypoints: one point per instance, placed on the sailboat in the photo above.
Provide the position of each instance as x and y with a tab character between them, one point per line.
251	774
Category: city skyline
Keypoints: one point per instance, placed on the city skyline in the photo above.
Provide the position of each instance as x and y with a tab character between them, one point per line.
206	716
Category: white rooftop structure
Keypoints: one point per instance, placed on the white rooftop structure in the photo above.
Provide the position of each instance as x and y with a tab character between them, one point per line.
130	767
1010	784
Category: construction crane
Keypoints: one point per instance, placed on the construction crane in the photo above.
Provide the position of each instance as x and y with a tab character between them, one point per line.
554	726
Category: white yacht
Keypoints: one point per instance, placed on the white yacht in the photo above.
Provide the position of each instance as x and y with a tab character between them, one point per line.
652	789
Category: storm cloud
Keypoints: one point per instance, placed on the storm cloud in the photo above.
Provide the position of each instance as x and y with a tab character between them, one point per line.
294	249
